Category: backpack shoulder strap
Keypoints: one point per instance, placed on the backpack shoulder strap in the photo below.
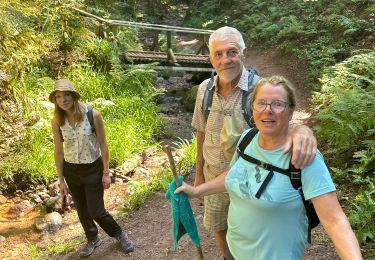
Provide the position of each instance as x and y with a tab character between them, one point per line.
207	97
246	140
295	176
252	81
253	78
61	135
295	179
90	117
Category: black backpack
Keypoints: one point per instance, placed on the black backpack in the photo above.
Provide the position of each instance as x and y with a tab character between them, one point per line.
90	117
293	174
209	92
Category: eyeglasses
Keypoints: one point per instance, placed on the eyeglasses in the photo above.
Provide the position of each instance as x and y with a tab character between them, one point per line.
276	106
229	54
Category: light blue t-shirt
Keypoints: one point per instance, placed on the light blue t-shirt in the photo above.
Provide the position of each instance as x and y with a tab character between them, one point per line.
274	226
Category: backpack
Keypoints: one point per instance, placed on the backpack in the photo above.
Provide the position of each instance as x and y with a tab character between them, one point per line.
293	174
209	92
90	117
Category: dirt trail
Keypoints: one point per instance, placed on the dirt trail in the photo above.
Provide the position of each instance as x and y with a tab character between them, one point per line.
150	227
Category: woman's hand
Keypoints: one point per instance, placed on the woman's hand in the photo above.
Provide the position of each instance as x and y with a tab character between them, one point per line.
106	180
63	192
188	189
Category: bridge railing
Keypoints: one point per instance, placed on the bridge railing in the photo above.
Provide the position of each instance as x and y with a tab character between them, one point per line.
114	24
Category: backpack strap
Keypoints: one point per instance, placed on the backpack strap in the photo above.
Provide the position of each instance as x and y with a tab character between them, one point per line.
241	152
207	98
246	140
295	179
90	117
252	81
293	174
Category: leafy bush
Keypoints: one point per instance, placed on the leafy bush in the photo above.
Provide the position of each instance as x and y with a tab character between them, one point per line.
362	214
344	107
320	32
189	154
346	124
140	191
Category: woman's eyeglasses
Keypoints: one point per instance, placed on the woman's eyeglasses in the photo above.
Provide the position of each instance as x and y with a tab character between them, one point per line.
276	106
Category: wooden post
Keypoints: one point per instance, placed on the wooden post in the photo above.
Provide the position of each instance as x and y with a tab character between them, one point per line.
169	40
100	31
155	43
114	29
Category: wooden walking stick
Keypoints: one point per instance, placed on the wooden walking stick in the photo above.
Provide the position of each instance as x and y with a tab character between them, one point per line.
167	149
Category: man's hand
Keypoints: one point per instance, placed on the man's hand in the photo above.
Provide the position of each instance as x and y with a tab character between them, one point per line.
106	180
304	146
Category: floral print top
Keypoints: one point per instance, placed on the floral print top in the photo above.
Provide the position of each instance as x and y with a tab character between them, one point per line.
80	143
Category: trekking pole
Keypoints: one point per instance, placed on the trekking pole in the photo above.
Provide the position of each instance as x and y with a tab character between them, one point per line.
167	149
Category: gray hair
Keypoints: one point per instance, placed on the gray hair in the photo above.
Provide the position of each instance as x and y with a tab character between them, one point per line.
224	33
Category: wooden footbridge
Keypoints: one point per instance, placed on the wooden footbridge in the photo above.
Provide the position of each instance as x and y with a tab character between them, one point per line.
167	60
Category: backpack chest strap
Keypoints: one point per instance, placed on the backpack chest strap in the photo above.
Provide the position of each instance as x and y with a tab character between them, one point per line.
265	166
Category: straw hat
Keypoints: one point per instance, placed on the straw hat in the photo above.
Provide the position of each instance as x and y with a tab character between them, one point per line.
63	85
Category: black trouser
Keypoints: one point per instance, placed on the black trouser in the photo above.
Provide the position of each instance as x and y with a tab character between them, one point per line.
85	185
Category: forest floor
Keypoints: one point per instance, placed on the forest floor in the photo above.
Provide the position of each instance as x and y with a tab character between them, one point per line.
150	226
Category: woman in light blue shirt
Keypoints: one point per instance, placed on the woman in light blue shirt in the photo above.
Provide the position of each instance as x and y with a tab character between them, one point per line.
273	225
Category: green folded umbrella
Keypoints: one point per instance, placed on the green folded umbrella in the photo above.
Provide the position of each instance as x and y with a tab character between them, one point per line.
182	214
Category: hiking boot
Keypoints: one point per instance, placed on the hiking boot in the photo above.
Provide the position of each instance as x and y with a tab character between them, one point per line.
90	247
125	243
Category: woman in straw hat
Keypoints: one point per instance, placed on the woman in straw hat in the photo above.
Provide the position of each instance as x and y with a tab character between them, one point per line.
82	164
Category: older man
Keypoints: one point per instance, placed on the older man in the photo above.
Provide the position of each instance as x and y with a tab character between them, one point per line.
227	55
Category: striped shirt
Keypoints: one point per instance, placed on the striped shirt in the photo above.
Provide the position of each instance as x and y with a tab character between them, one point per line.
212	151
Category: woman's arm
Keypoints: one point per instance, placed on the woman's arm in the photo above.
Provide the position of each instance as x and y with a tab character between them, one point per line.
59	157
214	186
102	140
337	226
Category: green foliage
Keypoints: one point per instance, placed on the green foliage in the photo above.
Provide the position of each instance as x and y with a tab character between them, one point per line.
320	32
39	252
140	191
124	10
344	107
104	54
362	214
207	14
346	124
188	98
62	45
131	124
29	30
91	83
189	154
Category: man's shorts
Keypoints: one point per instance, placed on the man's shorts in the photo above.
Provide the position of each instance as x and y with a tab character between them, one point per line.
216	205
